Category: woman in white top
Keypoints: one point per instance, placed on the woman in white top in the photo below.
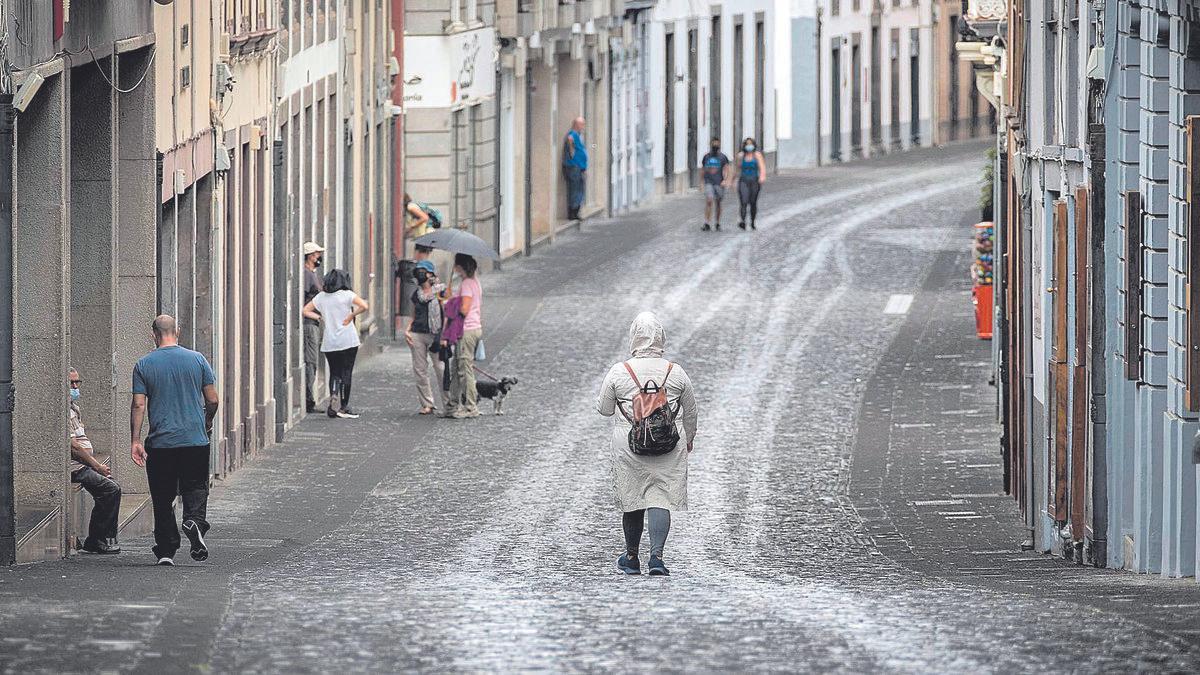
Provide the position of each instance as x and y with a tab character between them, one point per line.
648	486
337	306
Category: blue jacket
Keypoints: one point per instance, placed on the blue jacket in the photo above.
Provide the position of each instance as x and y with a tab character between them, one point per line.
580	156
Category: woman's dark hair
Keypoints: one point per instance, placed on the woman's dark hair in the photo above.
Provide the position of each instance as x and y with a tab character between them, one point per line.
407	199
750	139
337	280
467	263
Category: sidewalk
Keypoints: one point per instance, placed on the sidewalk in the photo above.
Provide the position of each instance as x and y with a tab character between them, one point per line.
927	474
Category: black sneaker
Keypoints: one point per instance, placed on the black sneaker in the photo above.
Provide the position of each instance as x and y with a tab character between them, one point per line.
657	568
742	224
752	225
165	562
347	414
310	407
717	227
101	547
706	228
629	565
199	550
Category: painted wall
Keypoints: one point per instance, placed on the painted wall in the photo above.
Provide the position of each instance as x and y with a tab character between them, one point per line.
796	57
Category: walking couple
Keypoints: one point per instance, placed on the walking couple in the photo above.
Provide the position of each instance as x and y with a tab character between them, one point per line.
446	329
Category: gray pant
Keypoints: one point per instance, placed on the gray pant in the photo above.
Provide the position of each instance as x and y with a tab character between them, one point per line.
422	352
312	361
463	385
634	522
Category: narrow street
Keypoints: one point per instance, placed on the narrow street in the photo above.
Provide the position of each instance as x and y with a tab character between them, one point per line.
845	507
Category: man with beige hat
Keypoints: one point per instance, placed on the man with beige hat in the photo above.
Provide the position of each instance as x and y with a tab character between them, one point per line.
313	252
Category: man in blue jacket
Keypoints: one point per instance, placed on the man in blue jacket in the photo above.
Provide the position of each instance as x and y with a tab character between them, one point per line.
575	164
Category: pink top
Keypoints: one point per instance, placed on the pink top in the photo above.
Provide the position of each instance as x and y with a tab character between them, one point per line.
470	288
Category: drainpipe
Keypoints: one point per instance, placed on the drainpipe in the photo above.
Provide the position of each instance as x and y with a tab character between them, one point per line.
528	156
283	253
496	196
8	513
398	205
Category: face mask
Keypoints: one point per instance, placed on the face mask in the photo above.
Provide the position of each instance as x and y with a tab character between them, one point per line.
749	148
318	262
715	147
74	394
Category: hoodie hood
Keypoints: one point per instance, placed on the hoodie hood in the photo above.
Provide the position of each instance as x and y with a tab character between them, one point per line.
647	339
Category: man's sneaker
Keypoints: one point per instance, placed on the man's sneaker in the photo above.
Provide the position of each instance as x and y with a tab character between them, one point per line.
742	224
347	414
104	546
194	535
629	565
657	568
165	562
706	228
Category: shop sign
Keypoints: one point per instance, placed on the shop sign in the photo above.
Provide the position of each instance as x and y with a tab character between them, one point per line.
441	71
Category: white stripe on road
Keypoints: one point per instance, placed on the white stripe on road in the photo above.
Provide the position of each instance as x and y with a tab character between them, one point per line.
898	304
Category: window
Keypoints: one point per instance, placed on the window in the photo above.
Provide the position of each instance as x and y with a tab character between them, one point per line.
1133	285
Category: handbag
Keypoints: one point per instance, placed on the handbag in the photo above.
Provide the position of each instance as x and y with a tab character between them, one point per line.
480	352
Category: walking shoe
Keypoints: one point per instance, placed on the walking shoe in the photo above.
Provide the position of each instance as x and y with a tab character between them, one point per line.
742	224
347	414
462	414
706	228
657	568
448	413
199	550
310	407
752	225
102	547
717	227
629	565
166	562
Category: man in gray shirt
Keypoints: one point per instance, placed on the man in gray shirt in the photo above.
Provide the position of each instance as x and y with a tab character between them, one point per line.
177	389
313	252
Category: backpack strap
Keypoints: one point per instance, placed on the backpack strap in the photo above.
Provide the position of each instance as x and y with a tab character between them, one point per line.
635	380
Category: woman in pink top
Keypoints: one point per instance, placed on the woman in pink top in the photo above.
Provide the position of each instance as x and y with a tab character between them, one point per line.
464	398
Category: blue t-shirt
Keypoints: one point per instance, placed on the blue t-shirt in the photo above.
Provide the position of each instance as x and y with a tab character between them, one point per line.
714	167
579	159
173	379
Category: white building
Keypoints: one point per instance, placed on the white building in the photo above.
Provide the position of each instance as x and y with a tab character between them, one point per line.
711	75
797	61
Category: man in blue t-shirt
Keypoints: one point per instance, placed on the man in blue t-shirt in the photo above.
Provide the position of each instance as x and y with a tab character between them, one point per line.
177	389
575	164
715	170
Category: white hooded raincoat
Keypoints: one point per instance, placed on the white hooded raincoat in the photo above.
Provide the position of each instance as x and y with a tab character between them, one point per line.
641	481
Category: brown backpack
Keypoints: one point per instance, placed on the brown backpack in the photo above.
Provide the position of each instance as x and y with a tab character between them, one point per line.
653	418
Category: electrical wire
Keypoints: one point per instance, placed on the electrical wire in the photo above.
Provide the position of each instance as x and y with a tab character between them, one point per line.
149	65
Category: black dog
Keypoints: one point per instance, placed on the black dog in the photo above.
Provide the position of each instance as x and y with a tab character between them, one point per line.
495	391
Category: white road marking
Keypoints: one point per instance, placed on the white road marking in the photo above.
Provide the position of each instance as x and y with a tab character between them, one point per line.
898	304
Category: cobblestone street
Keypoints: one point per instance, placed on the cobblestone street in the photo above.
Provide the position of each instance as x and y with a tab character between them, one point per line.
845	507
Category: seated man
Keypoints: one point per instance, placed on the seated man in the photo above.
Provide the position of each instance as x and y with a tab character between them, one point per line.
95	478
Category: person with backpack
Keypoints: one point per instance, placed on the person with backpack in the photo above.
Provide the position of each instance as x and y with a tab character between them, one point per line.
422	218
650	442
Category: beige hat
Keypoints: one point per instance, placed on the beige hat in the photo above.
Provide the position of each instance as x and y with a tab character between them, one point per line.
311	247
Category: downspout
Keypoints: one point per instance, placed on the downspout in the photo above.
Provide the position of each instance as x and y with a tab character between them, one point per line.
528	157
496	196
608	71
398	206
282	254
1097	356
8	526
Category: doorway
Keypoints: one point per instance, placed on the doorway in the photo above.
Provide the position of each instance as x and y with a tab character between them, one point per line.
835	101
855	97
914	86
876	90
693	110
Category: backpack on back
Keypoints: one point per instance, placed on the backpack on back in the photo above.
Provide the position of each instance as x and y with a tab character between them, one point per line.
653	419
435	216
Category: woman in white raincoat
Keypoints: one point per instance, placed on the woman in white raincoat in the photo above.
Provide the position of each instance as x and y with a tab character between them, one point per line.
648	486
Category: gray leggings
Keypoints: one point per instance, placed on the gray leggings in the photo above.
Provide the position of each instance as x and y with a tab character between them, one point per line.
660	525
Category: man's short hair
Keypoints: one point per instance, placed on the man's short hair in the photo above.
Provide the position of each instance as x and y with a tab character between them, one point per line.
163	324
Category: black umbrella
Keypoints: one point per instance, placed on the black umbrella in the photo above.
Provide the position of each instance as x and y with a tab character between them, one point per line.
457	241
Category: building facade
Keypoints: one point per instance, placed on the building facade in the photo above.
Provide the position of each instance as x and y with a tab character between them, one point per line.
1098	364
891	78
82	249
797	67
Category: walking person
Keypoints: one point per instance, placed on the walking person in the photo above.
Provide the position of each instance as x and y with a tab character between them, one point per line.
423	335
468	302
94	476
175	389
313	254
715	169
649	461
337	306
753	173
575	164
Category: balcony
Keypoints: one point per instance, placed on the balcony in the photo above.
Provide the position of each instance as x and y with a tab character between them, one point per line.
983	18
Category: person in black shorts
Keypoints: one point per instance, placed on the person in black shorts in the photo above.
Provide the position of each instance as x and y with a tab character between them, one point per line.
715	170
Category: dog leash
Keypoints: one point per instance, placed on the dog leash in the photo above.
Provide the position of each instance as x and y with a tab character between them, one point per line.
485	373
